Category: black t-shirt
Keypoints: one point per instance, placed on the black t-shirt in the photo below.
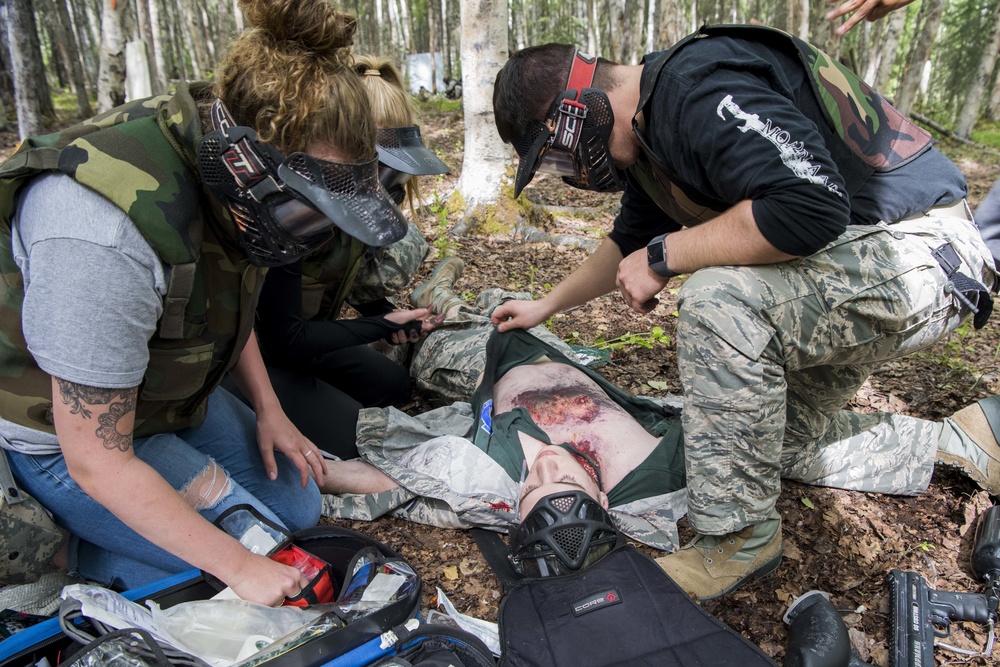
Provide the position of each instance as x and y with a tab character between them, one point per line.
734	120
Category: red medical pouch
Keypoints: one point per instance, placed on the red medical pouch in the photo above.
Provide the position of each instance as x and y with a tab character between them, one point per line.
320	589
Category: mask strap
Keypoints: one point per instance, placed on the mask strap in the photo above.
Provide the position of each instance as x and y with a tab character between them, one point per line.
572	112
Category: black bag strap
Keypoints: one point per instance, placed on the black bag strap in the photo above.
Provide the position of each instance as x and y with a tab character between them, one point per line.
495	551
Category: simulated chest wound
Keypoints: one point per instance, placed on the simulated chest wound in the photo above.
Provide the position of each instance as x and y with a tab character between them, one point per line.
563	406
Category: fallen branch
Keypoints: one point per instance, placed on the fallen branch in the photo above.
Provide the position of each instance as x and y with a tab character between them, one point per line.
533	234
937	127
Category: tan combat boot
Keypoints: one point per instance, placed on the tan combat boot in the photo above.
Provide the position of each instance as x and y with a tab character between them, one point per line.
980	458
710	566
437	292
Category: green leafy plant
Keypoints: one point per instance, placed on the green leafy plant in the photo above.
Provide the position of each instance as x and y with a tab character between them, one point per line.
444	244
646	339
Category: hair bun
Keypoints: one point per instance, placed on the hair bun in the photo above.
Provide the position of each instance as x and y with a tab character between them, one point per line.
313	25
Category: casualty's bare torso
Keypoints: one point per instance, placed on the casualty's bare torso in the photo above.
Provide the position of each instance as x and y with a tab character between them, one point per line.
571	408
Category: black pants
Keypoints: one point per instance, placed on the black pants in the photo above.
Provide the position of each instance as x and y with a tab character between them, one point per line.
323	399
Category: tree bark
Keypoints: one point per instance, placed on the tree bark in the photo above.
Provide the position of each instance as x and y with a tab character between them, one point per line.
892	31
484	46
969	114
84	39
24	54
931	12
69	54
111	72
154	50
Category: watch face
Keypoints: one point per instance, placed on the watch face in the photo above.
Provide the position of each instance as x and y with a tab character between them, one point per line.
654	252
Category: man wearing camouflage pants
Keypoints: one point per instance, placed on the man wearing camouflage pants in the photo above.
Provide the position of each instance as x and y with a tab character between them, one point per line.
822	233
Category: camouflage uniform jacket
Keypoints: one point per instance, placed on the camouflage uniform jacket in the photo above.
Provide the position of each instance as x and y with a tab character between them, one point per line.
141	157
862	132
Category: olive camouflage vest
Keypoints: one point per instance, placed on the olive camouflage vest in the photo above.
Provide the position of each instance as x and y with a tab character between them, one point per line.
873	135
140	156
328	276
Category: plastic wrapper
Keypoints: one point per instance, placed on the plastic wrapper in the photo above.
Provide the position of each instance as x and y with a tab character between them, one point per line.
221	632
373	583
321	625
111	654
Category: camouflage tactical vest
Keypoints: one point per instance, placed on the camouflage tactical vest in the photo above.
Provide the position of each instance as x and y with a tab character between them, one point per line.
328	276
140	156
873	135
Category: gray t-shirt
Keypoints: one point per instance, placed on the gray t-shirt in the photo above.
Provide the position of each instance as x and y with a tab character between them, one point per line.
94	292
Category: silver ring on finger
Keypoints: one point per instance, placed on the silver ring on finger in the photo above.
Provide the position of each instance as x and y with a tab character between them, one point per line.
309	453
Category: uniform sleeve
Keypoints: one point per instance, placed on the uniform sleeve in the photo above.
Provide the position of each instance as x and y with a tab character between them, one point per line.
93	286
286	337
734	136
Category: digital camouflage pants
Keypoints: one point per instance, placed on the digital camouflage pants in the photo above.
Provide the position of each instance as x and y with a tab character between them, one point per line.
769	356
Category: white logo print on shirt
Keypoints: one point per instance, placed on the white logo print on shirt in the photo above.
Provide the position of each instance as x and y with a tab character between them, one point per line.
792	153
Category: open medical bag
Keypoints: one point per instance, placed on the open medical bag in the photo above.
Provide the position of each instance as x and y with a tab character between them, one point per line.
340	557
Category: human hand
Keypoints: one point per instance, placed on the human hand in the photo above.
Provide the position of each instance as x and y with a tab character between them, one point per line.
410	335
264	581
872	10
638	283
275	431
517	314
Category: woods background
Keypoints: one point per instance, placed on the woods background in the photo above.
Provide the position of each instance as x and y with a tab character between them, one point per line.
935	58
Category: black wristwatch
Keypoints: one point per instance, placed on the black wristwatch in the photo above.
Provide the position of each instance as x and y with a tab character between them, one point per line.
657	255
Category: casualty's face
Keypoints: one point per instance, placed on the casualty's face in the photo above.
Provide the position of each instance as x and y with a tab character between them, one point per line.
555	470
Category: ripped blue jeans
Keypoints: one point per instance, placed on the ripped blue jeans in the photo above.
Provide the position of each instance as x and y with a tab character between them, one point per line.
105	550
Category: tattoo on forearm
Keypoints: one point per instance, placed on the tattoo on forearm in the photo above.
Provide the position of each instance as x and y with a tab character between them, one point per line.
79	397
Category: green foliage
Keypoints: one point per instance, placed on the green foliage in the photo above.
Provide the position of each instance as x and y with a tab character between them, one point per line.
438	104
956	55
647	339
987	133
444	244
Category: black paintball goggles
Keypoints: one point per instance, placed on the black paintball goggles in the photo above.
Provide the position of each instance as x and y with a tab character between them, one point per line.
402	154
572	141
287	207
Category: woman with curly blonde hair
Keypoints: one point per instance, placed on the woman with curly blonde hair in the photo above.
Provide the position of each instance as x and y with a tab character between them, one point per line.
321	365
140	239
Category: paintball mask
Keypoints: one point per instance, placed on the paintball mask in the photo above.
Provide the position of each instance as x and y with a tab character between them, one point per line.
562	534
401	154
287	207
572	142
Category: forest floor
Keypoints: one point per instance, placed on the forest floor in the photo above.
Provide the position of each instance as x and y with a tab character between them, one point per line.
841	542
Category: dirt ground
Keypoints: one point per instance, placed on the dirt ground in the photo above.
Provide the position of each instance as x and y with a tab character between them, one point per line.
841	542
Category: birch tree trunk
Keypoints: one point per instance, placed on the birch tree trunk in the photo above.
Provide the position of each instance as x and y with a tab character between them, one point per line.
892	31
238	16
193	37
931	12
27	92
969	114
484	50
993	108
69	54
84	39
143	15
111	71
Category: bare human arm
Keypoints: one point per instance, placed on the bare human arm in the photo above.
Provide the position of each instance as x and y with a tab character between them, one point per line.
94	427
275	431
355	476
731	239
872	10
594	278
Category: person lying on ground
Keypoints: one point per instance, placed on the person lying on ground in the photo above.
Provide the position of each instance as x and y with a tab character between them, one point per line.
462	466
